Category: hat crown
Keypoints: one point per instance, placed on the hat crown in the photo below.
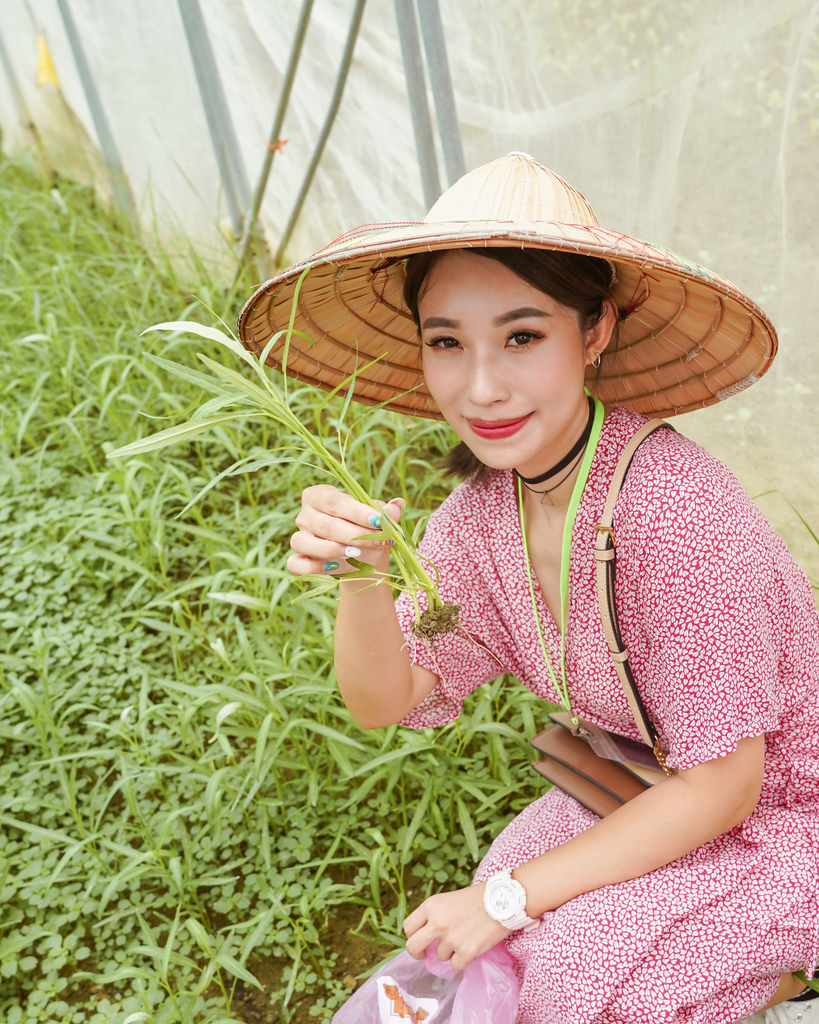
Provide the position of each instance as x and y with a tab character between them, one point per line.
512	188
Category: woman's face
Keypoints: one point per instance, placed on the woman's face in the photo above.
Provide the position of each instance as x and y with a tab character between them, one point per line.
505	362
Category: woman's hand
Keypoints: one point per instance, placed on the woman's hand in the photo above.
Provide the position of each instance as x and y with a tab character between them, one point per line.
378	683
460	923
330	525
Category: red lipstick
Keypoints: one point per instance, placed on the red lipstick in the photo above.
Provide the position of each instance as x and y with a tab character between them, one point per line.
492	430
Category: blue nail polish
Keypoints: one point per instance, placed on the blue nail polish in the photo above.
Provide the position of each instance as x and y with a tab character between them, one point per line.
330	566
375	520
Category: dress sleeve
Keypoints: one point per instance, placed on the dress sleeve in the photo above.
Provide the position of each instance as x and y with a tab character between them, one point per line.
465	659
706	572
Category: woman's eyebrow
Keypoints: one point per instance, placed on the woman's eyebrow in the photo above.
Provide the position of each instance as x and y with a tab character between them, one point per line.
519	314
522	313
439	321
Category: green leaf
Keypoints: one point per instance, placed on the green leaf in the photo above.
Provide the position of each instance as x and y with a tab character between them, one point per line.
181	432
200	331
199	935
201	380
468	828
417	818
234	968
121	974
169	943
236	597
418	531
10	946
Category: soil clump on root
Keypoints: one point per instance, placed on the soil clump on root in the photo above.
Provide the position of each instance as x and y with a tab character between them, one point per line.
434	622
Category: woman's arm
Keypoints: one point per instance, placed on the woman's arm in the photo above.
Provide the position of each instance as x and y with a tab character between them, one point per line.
667	821
662	824
377	681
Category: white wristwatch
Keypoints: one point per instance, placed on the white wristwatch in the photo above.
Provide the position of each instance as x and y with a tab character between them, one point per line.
505	901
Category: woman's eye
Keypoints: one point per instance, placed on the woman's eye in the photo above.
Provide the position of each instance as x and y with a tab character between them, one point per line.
521	338
445	343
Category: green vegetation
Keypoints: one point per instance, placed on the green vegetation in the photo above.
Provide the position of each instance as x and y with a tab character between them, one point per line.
185	804
236	397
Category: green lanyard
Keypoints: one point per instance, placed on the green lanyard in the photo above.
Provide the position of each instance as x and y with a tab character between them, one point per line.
562	686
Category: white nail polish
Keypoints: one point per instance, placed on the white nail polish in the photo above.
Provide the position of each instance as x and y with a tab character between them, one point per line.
350	552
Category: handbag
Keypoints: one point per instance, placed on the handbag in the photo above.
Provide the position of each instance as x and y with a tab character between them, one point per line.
600	769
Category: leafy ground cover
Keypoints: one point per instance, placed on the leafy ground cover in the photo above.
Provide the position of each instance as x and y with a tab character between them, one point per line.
192	829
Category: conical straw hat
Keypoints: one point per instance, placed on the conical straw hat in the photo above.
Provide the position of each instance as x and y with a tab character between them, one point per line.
688	338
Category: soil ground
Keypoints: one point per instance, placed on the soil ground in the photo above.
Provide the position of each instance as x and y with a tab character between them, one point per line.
356	954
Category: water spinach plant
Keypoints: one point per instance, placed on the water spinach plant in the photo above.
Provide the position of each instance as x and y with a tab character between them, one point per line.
235	397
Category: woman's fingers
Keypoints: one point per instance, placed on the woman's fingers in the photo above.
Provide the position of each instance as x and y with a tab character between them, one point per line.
332	515
332	528
324	504
458	921
417	919
300	565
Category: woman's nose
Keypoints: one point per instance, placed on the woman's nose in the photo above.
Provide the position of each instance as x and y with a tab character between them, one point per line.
486	381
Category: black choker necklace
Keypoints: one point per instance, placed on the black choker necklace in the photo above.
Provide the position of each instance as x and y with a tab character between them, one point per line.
567	460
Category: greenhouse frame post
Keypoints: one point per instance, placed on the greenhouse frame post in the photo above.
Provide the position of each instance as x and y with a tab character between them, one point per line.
119	182
335	103
432	29
222	136
275	131
417	92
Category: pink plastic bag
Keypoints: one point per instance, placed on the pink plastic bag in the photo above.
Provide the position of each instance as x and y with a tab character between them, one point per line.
430	991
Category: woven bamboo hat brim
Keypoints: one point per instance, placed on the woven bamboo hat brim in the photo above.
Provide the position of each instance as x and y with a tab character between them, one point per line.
688	338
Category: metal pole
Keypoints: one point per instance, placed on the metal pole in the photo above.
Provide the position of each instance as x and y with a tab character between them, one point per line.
275	131
346	59
417	92
432	29
222	136
119	182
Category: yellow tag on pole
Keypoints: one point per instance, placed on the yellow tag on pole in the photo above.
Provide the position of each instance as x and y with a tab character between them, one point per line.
46	74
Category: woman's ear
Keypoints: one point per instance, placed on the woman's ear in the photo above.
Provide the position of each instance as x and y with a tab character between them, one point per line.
598	337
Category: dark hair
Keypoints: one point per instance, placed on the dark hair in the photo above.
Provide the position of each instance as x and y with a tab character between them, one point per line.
581	283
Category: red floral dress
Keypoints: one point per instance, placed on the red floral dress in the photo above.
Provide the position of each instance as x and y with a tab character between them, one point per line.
723	635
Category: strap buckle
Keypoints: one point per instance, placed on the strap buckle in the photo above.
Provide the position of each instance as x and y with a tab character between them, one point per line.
606	529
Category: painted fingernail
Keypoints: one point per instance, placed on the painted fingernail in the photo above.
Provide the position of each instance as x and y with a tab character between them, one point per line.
350	552
375	520
330	566
384	543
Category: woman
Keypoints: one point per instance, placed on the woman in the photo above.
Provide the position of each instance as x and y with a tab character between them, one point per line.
696	900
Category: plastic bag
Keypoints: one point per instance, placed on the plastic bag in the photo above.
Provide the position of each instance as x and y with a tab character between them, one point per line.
407	991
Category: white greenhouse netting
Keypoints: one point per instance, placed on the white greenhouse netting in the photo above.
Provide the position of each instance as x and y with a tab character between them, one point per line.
692	124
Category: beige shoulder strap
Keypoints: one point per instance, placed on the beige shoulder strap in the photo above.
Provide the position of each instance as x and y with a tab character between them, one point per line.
605	553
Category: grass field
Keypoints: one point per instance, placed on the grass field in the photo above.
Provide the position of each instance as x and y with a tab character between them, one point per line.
192	829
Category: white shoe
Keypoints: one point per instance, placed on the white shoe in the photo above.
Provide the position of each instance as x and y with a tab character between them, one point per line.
788	1013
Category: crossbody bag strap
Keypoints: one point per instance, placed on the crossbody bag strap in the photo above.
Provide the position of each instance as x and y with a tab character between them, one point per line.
605	554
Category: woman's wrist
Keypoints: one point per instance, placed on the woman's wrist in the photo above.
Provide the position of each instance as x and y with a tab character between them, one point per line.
534	877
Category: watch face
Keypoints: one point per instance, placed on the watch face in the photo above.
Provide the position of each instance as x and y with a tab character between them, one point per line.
504	899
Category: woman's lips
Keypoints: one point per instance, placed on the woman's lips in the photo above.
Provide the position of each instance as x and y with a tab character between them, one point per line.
493	430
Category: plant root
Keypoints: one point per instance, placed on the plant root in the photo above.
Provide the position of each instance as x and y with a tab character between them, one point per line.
434	622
